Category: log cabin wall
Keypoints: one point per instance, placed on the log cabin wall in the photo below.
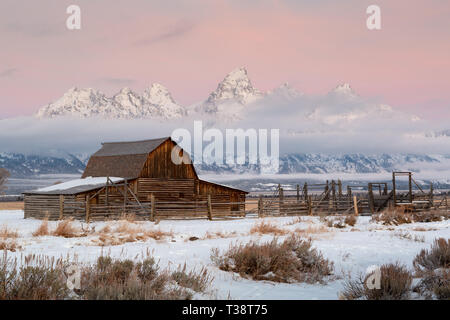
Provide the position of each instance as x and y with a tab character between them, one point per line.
159	164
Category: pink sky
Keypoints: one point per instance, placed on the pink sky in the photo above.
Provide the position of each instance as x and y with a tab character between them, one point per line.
189	46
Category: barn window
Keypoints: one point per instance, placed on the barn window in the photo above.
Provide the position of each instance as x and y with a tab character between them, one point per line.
181	195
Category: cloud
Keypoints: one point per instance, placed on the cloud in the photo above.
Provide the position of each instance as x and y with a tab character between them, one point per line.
175	31
117	81
7	73
333	123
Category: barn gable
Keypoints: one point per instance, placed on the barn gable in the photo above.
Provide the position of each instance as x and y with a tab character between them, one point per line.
146	159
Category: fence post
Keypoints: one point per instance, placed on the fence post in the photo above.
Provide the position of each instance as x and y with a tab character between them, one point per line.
410	187
209	207
298	193
355	205
260	206
371	199
333	193
340	188
309	202
61	206
349	196
107	191
153	207
305	191
125	192
431	195
281	200
88	209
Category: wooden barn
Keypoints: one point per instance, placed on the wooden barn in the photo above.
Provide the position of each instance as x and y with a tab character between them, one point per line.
136	178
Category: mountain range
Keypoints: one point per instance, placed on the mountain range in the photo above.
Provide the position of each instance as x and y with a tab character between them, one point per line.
233	93
21	165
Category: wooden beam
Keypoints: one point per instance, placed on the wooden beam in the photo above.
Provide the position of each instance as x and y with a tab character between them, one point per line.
61	207
153	207
355	205
209	207
88	209
260	207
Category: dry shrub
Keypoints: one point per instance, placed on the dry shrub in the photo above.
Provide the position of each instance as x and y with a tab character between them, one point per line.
408	236
112	279
296	220
36	278
293	260
6	233
157	234
219	235
435	283
312	230
437	257
399	216
421	229
395	216
125	232
339	222
351	220
395	284
9	245
267	228
42	230
66	229
197	281
433	266
43	278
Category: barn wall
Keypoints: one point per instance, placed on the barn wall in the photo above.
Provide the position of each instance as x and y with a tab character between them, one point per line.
175	198
159	164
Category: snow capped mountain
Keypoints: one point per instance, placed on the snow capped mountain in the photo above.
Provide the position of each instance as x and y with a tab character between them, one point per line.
26	165
20	165
156	102
233	93
234	99
159	96
237	87
285	91
83	102
344	90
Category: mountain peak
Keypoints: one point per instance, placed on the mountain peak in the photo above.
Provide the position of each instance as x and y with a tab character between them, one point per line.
237	74
344	88
285	91
235	88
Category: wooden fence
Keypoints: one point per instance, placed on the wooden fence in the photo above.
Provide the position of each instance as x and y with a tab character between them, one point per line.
153	210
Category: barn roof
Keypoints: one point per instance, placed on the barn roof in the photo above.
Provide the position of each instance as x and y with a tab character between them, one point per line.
129	148
122	159
75	186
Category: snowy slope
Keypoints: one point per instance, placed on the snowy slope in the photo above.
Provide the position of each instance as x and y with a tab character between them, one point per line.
156	102
352	250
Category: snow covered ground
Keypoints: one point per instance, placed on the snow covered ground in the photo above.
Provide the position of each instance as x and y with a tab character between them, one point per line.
352	249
